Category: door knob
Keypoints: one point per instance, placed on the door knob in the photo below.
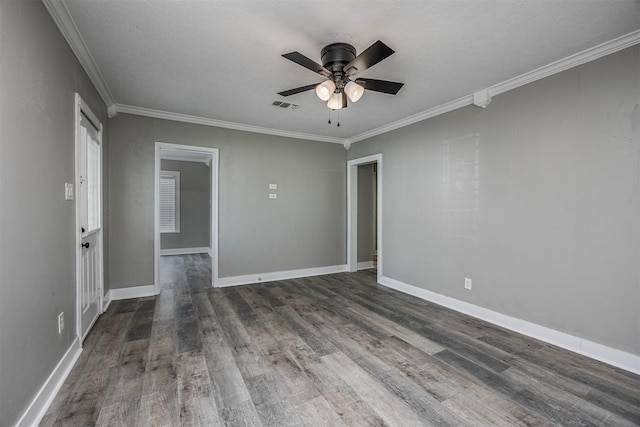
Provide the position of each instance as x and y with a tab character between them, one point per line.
85	245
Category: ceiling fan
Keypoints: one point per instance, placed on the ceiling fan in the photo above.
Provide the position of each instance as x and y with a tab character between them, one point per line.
340	65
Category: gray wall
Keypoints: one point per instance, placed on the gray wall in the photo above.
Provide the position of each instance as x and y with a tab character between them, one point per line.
535	198
366	212
304	227
38	77
195	190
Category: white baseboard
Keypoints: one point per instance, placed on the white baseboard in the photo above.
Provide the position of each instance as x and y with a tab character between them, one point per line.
106	301
627	361
365	265
223	282
40	404
185	251
132	292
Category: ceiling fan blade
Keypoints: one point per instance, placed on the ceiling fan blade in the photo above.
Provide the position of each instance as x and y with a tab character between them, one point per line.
302	60
370	57
298	90
383	86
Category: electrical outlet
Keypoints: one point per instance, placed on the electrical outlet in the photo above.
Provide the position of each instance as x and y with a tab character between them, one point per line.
467	283
273	186
60	322
273	196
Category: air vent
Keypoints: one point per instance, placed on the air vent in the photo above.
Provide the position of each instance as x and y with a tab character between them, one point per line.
285	105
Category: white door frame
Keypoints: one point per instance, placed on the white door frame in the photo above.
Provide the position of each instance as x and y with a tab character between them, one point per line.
213	239
82	108
352	211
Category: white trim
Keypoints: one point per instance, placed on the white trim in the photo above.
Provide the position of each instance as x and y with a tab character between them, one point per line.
78	211
106	302
81	108
611	356
63	20
40	404
571	61
187	156
279	275
61	16
214	176
132	292
424	115
352	210
365	265
185	251
166	115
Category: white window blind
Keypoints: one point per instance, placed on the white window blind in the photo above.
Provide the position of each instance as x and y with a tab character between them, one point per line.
169	202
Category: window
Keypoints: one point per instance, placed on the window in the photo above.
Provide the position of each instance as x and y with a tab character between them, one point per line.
93	184
90	172
169	202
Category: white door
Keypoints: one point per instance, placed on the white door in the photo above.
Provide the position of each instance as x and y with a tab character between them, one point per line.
90	220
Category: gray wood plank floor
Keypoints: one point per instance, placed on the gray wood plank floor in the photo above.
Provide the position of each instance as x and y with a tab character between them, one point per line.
331	350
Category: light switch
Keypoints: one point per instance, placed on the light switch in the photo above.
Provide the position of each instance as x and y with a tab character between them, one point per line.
273	196
68	191
273	186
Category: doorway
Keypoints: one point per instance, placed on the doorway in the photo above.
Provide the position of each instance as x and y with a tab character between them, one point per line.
367	212
89	251
353	214
174	155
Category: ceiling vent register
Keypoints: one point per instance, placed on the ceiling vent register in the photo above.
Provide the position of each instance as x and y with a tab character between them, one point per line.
285	105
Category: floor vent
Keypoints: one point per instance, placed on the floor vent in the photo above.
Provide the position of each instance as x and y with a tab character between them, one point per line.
285	105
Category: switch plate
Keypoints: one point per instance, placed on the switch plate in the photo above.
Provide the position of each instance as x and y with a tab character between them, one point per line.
273	186
68	191
467	283
273	196
60	322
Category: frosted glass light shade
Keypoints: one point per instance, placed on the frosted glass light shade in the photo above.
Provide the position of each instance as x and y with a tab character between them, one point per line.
335	102
354	91
325	89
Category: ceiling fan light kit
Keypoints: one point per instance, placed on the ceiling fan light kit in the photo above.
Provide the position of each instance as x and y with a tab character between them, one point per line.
339	65
335	102
325	89
354	91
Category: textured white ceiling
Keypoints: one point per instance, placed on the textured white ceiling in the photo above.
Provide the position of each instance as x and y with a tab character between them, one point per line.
222	59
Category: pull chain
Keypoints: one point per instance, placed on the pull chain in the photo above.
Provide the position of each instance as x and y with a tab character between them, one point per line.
338	113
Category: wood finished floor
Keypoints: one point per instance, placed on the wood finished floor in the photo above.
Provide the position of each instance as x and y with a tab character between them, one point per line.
324	351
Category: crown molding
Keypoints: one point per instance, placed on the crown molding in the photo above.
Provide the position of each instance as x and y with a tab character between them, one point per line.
579	58
426	114
147	112
63	20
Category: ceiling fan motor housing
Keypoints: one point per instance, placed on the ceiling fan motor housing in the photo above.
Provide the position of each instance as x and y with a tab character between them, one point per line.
334	57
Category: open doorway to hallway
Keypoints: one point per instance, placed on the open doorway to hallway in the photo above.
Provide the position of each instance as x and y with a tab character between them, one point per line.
367	213
186	204
364	213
